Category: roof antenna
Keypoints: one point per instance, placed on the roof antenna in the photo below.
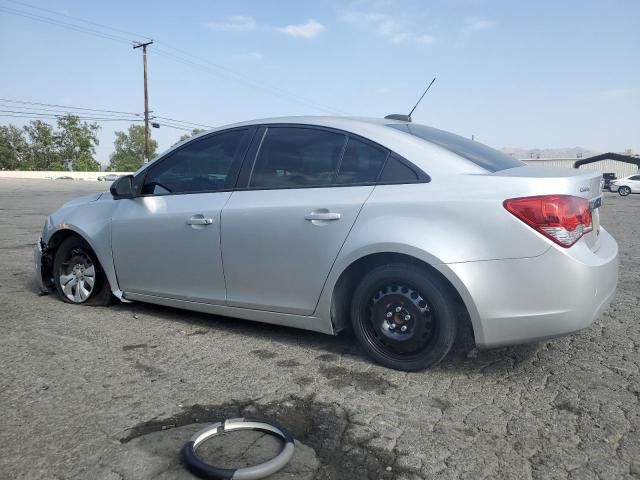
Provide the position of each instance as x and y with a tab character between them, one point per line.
407	118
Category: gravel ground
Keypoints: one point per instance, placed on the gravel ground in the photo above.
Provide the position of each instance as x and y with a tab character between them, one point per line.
111	393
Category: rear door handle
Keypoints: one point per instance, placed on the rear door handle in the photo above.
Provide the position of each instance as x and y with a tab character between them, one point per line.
199	220
322	216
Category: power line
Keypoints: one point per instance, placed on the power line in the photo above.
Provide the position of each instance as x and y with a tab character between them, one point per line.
59	23
79	19
180	121
217	70
64	111
55	117
67	109
182	57
164	124
12	100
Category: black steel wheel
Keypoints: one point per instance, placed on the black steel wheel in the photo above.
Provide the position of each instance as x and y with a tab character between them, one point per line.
77	274
403	317
624	191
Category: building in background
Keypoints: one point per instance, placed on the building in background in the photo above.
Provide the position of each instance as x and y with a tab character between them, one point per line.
621	165
616	163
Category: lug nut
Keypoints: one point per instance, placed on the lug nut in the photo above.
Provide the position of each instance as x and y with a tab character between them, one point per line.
403	328
407	318
398	309
392	326
389	314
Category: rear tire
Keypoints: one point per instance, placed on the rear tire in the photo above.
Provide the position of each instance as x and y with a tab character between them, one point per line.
77	274
404	317
624	191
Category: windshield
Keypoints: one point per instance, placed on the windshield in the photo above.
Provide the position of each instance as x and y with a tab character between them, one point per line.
483	156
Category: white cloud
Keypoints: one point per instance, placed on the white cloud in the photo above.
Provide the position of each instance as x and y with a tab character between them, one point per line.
309	29
471	26
619	93
479	23
424	39
234	23
387	26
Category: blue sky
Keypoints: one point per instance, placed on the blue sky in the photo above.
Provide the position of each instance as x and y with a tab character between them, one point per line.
518	74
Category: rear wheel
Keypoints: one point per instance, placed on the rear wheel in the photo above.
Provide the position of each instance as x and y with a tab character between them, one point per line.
403	317
624	191
77	274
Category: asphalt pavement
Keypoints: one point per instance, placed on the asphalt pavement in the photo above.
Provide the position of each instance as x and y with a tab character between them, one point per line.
111	393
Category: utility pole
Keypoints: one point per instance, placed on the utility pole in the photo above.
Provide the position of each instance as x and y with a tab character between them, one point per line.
146	98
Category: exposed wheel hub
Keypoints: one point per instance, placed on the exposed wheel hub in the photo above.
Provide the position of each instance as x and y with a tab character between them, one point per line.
400	318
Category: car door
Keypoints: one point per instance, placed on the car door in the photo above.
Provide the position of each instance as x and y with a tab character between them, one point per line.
166	241
634	183
299	195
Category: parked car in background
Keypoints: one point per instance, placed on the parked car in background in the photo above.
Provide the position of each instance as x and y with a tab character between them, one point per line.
326	223
627	185
108	178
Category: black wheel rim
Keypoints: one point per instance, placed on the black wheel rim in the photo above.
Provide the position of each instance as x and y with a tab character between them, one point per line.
398	321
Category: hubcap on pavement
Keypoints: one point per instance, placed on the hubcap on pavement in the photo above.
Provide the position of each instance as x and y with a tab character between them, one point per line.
77	277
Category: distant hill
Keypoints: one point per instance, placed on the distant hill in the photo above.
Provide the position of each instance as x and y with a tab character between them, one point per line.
572	152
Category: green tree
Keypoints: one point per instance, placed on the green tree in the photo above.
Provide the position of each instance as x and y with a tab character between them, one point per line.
128	152
42	150
193	133
13	148
76	143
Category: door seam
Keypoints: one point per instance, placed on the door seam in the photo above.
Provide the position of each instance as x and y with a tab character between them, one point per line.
324	284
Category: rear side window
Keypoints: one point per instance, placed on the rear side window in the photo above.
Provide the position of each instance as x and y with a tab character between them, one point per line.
361	163
297	157
395	171
483	156
199	166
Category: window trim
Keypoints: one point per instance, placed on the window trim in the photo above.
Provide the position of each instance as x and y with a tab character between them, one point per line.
232	176
251	156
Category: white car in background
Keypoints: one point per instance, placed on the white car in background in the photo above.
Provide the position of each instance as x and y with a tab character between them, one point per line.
625	186
112	177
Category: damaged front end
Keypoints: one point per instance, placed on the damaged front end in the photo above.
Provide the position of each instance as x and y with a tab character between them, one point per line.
43	263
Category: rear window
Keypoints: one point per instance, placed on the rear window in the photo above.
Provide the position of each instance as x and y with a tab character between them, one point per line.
483	156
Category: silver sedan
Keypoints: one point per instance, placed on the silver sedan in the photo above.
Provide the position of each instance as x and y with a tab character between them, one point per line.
396	230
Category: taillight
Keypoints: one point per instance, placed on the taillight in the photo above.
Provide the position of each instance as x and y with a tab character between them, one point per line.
562	218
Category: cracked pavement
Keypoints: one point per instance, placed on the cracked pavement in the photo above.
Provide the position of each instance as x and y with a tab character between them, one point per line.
112	393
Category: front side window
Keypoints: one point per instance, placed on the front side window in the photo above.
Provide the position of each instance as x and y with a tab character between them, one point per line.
635	177
361	163
297	157
200	166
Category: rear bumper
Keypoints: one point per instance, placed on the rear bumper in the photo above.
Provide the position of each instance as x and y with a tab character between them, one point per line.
530	299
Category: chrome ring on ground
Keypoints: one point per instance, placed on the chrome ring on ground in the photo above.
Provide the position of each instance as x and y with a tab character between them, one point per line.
207	471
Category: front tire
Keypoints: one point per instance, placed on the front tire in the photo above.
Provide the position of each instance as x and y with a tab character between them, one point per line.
404	317
624	191
77	274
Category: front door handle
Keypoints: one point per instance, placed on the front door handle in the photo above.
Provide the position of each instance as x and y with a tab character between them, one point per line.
199	220
322	216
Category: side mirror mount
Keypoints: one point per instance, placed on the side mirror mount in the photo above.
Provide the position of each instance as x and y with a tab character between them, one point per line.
123	188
